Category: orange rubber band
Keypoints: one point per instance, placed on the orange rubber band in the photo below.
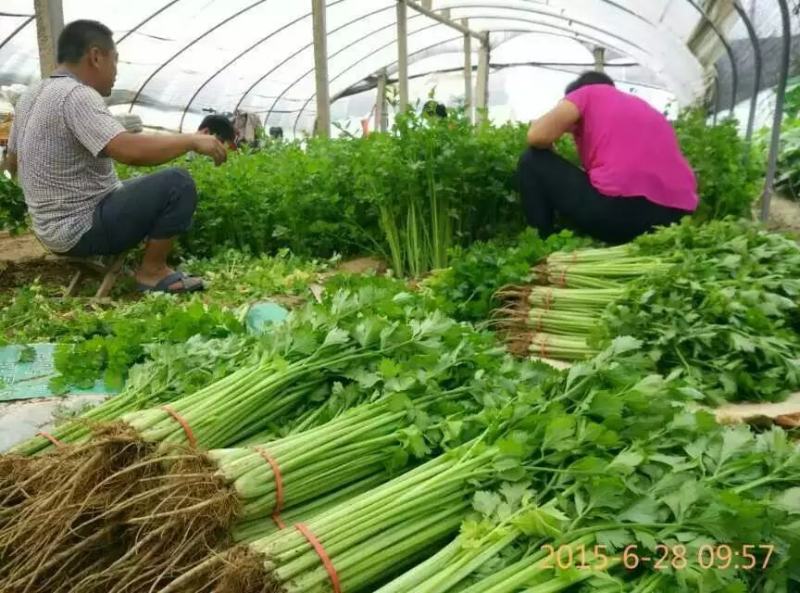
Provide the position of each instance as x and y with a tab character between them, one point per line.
276	471
187	430
50	438
563	280
539	322
543	352
548	298
323	555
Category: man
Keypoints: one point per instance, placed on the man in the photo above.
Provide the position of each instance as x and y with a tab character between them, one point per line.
220	127
64	141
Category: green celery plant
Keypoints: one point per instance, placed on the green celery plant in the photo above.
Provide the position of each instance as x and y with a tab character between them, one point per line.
727	185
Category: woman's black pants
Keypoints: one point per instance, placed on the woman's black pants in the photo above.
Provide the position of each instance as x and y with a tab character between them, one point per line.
551	185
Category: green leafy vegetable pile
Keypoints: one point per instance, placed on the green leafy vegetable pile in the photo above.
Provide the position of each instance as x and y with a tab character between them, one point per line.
629	491
98	341
112	343
717	302
419	456
466	289
12	206
571	485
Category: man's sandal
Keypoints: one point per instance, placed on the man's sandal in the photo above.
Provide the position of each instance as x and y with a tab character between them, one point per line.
187	284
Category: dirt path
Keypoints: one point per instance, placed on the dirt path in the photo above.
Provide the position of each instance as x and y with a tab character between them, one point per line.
784	215
20	249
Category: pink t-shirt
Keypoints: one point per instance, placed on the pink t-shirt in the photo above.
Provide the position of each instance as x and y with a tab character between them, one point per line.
629	149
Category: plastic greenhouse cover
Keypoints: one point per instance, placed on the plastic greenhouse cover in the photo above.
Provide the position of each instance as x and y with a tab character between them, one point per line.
181	58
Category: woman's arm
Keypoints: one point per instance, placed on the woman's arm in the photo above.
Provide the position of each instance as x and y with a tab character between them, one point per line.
549	128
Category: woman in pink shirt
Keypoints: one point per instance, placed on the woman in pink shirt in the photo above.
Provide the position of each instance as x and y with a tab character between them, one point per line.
634	179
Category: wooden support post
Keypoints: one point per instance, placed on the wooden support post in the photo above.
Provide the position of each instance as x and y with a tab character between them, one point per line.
468	100
49	24
323	127
381	114
600	59
402	53
482	99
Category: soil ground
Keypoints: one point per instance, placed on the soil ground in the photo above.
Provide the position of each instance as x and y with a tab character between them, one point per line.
20	248
23	260
784	216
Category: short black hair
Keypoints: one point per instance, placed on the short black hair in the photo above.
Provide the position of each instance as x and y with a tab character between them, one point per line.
589	78
219	126
78	37
434	108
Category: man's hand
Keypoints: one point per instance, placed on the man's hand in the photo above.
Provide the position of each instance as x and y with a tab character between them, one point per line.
142	150
210	146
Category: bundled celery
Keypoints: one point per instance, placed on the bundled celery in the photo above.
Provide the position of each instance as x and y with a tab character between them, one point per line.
561	322
427	503
716	302
261	482
169	373
366	536
676	485
556	317
414	419
254	529
566	299
601	269
558	347
318	347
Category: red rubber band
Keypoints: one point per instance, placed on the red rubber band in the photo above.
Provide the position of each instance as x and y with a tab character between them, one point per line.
323	555
276	471
50	438
187	430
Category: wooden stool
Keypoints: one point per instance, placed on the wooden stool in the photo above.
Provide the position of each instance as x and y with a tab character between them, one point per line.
107	268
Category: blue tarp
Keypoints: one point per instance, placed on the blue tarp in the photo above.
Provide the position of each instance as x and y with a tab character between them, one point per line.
25	374
29	380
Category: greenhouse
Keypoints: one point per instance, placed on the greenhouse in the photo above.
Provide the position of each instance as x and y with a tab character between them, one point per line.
399	296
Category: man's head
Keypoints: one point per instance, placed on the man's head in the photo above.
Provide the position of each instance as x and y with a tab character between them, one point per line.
87	49
219	126
434	109
589	78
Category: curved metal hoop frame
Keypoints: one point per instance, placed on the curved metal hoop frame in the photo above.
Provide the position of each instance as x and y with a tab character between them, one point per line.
534	9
